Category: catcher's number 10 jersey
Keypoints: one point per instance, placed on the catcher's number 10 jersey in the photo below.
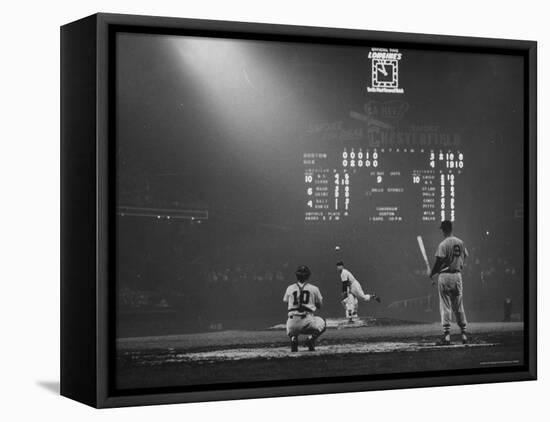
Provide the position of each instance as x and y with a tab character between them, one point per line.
302	298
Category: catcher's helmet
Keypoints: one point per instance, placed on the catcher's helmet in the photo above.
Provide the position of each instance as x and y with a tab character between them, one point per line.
303	273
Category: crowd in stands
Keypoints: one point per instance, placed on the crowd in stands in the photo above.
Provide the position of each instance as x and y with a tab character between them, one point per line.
232	282
248	273
130	298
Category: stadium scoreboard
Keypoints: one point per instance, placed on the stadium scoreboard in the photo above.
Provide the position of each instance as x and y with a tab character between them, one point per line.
378	185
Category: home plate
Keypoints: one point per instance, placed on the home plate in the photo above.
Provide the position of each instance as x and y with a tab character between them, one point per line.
239	354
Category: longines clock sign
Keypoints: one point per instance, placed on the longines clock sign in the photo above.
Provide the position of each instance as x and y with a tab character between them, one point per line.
385	70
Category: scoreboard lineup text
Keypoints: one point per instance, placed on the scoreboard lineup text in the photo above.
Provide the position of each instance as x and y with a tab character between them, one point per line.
382	184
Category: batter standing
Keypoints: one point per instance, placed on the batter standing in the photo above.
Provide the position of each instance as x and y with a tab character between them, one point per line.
450	257
303	300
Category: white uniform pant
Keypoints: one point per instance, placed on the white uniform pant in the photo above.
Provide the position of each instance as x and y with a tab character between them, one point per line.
357	291
308	324
351	303
450	300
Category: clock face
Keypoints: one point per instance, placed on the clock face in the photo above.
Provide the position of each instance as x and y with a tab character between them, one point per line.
384	73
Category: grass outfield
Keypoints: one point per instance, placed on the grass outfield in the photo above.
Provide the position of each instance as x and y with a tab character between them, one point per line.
264	355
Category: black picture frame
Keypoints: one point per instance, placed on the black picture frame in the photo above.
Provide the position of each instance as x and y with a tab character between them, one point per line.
87	193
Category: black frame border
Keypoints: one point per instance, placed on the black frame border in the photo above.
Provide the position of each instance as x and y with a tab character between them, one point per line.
107	26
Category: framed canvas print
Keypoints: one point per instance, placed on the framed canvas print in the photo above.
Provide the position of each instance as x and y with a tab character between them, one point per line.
254	210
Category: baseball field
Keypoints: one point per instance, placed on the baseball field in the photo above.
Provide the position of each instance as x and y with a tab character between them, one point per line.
363	348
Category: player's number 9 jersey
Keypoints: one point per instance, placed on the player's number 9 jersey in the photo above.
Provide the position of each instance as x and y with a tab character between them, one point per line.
452	250
302	298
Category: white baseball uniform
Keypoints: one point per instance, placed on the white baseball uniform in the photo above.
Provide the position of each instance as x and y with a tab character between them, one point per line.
354	287
351	302
453	253
303	300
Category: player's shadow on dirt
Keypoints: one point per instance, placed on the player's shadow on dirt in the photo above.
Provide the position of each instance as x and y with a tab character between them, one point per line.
51	386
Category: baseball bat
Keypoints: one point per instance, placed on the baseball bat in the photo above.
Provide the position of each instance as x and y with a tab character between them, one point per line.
423	251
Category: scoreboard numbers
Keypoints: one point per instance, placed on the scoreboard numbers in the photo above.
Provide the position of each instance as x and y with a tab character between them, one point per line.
377	185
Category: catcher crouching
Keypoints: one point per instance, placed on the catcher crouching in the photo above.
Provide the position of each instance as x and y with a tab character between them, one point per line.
303	300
